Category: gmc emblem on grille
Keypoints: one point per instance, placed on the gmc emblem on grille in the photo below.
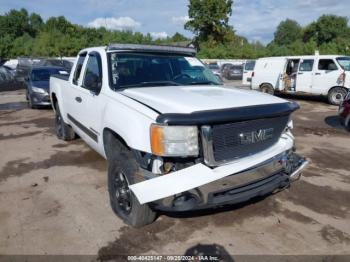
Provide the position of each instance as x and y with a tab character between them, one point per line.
256	136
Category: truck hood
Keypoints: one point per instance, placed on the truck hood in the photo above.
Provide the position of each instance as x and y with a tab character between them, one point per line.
188	99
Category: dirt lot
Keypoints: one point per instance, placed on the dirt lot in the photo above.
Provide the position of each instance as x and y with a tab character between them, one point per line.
53	197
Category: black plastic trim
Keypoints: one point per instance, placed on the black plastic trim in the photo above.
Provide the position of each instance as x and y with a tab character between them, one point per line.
230	115
83	128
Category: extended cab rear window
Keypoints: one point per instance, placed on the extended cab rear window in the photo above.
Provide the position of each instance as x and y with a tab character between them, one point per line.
78	68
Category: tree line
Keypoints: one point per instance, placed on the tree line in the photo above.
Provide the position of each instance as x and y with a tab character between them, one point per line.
27	34
215	38
24	34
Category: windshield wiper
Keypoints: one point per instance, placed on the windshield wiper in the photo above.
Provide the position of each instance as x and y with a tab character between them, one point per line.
203	83
152	83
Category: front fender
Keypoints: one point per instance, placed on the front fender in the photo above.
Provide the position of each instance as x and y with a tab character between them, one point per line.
130	124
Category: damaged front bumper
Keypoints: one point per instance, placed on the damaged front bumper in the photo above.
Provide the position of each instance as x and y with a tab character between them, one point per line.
200	186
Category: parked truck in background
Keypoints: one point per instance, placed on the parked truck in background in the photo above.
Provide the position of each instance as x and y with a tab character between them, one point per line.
174	138
326	75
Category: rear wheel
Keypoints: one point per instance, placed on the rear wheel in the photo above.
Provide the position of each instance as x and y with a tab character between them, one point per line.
336	95
122	170
63	131
267	88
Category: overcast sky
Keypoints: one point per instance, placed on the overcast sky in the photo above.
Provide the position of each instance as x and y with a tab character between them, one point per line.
254	19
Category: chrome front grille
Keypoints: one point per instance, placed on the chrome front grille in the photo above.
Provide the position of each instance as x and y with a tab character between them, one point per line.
227	142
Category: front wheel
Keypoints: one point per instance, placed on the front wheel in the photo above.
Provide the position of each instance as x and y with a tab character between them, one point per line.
336	95
122	170
63	131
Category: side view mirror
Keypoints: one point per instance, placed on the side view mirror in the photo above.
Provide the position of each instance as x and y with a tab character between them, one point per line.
92	82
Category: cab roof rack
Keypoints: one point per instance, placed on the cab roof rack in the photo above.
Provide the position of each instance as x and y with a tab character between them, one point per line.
152	48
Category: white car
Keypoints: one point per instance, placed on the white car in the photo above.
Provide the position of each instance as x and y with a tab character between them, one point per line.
174	138
326	75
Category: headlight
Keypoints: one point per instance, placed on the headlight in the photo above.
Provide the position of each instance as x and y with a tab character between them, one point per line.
39	90
174	140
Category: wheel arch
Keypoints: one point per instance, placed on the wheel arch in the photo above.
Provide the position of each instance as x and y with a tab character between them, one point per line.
266	83
344	87
109	136
54	101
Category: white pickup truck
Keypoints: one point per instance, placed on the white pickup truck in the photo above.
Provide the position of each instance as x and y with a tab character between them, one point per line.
175	139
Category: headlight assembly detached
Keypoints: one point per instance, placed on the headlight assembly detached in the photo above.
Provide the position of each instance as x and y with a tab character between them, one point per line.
174	140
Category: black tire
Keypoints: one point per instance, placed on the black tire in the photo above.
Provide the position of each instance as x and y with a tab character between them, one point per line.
122	168
336	95
63	131
30	103
267	88
347	125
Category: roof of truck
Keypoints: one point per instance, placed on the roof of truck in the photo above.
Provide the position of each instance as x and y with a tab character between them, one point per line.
152	48
145	48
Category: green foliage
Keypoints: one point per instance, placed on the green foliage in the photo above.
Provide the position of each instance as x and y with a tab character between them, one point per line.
326	29
23	34
287	32
209	20
330	34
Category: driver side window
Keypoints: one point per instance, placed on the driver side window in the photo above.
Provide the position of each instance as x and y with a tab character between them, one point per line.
306	65
93	73
327	65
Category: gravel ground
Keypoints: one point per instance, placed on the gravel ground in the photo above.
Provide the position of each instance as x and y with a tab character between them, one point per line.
53	197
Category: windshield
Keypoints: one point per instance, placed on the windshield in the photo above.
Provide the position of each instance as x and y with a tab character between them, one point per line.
344	62
44	74
141	70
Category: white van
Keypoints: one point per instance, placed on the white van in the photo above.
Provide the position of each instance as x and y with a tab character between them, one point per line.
248	70
326	75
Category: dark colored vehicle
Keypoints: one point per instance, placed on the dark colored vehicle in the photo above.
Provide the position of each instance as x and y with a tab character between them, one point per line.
57	62
344	112
38	84
8	81
26	64
233	72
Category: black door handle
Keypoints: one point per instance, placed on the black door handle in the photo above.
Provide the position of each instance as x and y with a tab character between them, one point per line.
300	73
78	99
318	74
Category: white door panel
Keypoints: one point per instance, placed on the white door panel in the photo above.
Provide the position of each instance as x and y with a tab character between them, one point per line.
90	107
326	76
304	78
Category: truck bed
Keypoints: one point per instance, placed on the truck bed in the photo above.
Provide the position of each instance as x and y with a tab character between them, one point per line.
62	77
